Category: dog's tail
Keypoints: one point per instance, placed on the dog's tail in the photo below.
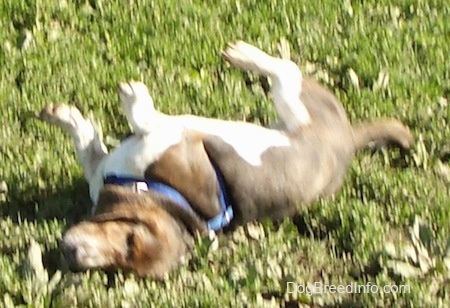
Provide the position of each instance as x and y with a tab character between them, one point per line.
380	133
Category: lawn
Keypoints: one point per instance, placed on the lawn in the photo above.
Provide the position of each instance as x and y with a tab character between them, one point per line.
389	225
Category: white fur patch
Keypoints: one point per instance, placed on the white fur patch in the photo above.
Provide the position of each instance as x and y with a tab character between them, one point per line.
134	155
250	141
138	106
285	91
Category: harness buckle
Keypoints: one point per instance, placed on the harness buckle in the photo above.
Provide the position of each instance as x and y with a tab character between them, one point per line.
139	187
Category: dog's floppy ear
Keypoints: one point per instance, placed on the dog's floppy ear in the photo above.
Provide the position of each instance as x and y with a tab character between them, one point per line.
153	253
145	253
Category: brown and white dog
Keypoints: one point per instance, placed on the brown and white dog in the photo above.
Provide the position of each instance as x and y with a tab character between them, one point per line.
263	173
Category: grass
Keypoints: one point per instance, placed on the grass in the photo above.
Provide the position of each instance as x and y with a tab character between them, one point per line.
77	51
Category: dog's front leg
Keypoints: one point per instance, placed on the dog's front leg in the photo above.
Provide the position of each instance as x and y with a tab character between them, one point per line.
89	148
286	81
138	106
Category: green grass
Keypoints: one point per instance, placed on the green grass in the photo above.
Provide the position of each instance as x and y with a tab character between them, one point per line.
77	51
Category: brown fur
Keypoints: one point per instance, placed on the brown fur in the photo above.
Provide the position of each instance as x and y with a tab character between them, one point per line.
143	233
187	159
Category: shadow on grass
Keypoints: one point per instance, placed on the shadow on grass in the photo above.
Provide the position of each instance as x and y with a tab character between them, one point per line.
343	245
68	202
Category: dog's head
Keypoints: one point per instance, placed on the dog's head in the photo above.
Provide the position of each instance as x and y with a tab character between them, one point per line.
137	233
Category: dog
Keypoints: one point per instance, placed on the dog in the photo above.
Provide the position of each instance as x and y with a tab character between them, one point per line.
208	166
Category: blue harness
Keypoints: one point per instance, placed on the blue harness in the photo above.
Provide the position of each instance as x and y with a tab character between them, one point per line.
216	223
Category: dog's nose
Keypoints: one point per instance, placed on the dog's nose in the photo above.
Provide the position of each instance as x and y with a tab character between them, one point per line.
70	254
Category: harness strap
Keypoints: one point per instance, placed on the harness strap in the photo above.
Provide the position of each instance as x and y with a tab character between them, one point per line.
216	223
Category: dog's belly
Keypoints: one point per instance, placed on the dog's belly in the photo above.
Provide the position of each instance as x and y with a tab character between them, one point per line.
250	141
137	152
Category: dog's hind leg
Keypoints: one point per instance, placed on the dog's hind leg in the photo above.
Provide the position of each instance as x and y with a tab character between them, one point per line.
286	81
89	147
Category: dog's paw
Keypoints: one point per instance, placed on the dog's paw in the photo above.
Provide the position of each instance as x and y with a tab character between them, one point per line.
248	57
132	91
135	98
126	88
138	106
240	54
61	115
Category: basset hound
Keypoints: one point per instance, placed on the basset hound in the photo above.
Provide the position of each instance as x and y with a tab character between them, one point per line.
181	174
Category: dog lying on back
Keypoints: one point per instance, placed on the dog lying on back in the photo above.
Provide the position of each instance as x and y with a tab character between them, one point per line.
322	143
261	173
